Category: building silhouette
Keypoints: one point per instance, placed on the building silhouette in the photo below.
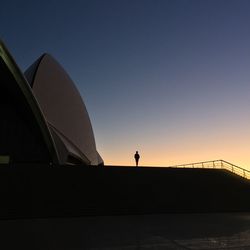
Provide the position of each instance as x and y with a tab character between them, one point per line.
43	117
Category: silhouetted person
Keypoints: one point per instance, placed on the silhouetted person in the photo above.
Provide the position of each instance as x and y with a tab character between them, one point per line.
137	157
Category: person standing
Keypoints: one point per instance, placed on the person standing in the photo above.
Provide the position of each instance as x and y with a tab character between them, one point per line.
137	157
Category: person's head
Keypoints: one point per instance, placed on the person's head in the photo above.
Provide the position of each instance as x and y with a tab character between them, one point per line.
136	152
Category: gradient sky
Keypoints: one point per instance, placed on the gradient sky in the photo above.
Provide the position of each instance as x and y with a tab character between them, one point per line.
170	78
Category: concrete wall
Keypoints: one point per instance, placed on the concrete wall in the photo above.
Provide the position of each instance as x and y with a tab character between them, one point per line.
41	191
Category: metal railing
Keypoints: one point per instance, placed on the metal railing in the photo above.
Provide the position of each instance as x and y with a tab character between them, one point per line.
217	164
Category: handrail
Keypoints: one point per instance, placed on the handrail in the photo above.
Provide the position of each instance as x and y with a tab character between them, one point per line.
217	164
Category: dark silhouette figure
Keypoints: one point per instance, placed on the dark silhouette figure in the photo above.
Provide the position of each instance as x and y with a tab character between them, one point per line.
137	157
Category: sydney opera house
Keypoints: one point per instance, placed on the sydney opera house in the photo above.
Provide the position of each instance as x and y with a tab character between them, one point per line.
43	117
44	122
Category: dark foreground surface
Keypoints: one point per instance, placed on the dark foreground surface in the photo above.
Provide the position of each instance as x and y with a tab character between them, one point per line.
169	231
66	191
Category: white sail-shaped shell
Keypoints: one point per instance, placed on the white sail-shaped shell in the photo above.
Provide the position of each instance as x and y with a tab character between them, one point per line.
64	110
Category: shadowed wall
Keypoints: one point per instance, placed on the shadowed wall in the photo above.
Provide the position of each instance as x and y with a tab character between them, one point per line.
37	191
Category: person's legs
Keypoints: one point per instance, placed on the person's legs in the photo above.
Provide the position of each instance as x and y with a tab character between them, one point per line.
136	161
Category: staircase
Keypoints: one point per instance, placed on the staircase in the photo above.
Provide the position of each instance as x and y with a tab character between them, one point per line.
217	164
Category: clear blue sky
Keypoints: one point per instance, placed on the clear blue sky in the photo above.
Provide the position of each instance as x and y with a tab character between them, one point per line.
170	78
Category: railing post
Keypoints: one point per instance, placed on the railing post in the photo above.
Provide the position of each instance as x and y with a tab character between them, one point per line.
218	164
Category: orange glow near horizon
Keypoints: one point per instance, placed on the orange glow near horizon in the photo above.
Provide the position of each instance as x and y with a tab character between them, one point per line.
187	147
238	158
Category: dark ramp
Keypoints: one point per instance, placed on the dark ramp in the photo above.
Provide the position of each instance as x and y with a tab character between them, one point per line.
43	191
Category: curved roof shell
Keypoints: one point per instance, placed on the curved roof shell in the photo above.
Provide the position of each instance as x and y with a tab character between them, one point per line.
64	110
25	135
